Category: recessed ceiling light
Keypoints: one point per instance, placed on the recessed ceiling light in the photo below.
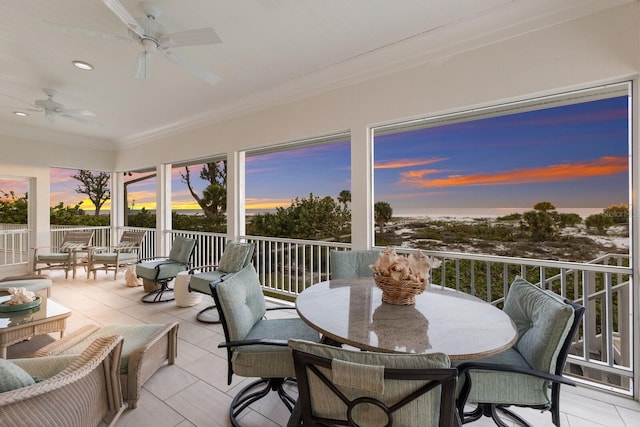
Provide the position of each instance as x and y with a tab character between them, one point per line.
82	65
20	113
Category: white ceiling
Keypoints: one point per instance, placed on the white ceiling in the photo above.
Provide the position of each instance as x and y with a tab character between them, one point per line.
271	51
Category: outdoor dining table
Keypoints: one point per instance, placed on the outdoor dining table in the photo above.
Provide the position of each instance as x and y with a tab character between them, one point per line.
351	311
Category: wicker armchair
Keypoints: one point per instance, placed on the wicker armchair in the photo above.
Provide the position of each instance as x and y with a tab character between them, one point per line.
77	391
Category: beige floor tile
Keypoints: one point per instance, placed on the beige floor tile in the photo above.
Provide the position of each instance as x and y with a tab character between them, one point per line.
195	392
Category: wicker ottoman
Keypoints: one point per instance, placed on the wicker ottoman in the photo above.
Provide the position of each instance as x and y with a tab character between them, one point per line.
145	349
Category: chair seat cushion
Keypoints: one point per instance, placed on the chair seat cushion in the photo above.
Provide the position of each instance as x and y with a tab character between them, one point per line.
200	281
167	269
268	361
12	376
32	285
135	336
54	257
111	257
500	387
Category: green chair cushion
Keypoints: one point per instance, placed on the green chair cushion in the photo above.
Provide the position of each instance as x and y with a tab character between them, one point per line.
324	402
543	322
501	387
268	361
30	284
200	281
111	257
168	269
352	264
182	249
54	257
12	376
242	302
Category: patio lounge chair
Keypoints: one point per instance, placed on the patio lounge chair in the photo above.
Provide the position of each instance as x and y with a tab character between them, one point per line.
74	246
115	258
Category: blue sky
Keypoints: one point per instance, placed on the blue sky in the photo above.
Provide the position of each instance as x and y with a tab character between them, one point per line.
575	156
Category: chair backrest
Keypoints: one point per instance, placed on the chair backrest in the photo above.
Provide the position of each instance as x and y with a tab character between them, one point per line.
131	239
544	322
240	303
352	264
76	239
345	387
236	256
182	249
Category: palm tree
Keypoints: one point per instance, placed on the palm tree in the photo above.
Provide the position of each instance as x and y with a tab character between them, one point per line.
382	213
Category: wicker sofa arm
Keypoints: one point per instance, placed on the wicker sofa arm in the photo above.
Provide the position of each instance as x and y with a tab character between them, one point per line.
66	342
92	373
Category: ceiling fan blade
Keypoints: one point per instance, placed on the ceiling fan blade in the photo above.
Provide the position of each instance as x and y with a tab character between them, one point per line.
80	120
195	37
144	65
198	71
77	112
72	29
49	117
21	100
123	14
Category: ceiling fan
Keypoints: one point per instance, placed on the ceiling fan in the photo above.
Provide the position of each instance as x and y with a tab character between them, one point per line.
51	109
154	38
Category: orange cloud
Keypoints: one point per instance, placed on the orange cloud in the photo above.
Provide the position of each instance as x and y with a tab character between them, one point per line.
607	165
407	163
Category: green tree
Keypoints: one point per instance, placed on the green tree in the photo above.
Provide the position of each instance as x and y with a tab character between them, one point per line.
382	213
14	210
600	222
541	223
213	201
619	214
313	218
344	197
95	186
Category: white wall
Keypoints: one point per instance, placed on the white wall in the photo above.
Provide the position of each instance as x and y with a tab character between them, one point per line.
602	48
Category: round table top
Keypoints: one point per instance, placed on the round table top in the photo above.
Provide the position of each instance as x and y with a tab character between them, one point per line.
351	311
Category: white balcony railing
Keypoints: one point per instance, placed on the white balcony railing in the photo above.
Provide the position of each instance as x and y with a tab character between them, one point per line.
602	355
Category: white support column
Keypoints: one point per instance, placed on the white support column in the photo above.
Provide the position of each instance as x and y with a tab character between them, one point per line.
118	206
163	209
235	195
361	188
39	216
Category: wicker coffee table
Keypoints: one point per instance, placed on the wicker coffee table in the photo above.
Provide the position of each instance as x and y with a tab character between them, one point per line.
18	326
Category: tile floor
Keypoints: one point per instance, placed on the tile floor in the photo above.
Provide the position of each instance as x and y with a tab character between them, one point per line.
194	392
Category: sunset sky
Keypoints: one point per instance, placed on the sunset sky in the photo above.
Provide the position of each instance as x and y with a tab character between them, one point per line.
574	156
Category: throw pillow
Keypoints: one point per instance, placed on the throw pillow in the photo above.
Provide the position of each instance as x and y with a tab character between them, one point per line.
71	246
13	376
234	257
